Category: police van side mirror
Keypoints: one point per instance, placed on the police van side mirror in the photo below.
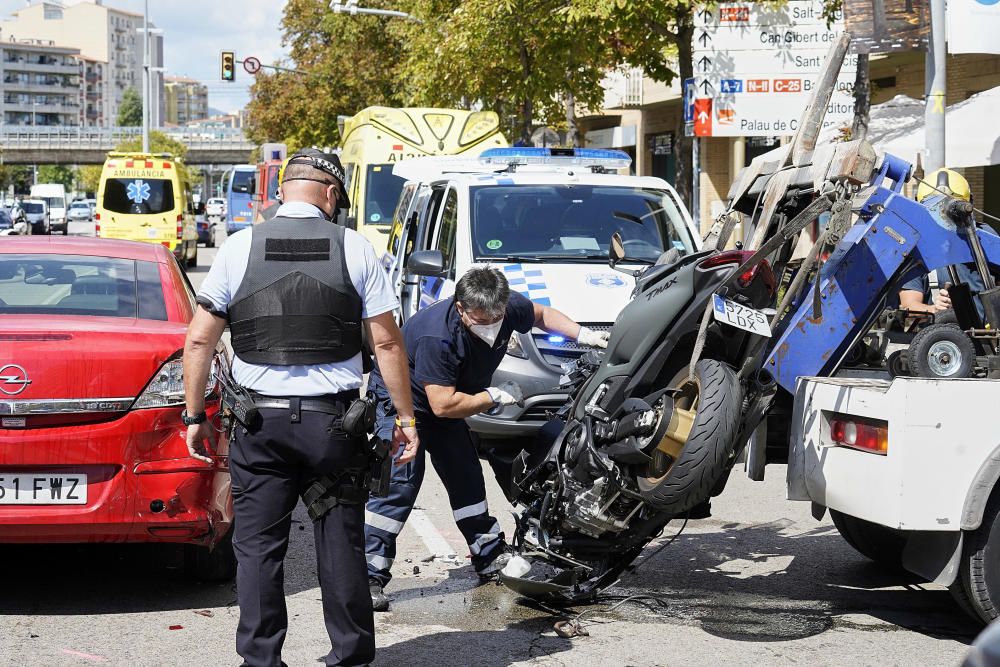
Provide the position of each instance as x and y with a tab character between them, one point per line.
426	263
616	252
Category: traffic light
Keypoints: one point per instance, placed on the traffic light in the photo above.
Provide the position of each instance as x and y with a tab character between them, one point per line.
228	66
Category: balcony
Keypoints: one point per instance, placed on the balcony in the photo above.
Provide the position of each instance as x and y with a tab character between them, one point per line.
24	66
623	88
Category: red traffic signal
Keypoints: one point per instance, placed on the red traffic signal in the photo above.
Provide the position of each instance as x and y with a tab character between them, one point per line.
228	66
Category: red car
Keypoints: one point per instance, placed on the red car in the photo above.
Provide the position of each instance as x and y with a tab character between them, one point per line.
92	447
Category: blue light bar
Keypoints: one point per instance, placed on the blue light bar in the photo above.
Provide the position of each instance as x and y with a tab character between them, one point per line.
557	339
581	157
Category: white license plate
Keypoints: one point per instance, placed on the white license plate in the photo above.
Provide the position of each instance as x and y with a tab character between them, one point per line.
43	489
741	317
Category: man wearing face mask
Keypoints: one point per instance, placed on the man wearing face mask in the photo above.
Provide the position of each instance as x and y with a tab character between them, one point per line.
454	346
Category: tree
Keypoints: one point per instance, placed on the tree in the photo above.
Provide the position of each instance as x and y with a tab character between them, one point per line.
346	63
19	176
130	110
56	173
89	177
655	35
521	58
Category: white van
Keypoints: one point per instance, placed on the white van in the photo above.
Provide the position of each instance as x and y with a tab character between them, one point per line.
54	195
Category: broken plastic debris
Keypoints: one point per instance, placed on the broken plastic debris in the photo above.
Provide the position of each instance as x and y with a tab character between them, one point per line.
570	629
416	570
208	613
428	559
451	559
517	566
176	627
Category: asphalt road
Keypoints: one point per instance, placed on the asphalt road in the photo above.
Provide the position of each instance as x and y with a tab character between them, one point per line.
761	582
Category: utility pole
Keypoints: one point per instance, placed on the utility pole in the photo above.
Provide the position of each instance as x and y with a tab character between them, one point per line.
145	78
936	86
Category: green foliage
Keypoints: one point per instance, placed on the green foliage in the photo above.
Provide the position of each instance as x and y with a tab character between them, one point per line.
130	110
520	58
89	177
347	63
57	173
19	176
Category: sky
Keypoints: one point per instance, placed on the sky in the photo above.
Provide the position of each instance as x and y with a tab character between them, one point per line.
195	31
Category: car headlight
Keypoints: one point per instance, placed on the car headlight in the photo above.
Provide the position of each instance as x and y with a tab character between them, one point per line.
514	347
167	386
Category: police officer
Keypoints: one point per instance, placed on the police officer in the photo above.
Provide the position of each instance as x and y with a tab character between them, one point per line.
454	347
296	291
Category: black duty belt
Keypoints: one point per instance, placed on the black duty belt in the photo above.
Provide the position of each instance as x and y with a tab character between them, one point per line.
331	405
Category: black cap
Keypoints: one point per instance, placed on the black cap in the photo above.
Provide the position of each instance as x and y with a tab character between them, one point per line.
328	163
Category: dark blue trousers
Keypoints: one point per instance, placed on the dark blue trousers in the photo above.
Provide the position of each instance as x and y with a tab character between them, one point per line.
270	468
454	458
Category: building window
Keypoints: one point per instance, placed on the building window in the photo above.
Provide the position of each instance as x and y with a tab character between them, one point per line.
53	13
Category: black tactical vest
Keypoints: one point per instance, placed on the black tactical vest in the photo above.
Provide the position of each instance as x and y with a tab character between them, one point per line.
296	304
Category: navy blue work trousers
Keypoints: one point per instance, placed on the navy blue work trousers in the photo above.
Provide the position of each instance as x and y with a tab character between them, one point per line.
270	468
456	462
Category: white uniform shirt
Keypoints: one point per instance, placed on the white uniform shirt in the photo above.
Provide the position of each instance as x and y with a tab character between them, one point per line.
368	276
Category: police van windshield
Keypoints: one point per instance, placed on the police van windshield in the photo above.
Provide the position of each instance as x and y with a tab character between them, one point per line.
575	222
139	196
382	193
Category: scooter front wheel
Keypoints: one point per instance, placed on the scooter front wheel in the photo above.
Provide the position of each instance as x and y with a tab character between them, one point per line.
696	448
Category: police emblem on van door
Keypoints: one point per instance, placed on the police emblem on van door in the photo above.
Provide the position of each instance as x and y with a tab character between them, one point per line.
609	280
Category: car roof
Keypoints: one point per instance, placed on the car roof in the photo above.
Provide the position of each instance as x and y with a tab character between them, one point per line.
90	247
548	176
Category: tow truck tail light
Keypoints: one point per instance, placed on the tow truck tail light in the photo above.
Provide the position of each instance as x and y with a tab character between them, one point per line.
869	435
166	388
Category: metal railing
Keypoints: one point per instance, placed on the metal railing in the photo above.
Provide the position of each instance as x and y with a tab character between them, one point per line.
97	138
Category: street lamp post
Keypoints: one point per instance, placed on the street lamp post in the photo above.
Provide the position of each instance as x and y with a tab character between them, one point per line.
351	7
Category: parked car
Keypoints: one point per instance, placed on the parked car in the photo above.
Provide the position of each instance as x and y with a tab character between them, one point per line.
91	357
37	213
79	211
215	208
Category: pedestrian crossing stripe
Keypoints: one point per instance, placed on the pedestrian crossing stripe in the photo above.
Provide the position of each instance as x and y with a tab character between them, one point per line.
528	282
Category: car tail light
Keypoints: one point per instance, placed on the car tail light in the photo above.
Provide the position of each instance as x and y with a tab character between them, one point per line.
166	388
97	229
869	435
737	257
180	226
97	216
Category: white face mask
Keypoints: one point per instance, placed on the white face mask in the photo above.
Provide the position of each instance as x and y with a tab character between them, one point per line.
487	332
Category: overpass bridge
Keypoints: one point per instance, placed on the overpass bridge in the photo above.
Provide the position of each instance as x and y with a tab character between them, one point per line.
89	145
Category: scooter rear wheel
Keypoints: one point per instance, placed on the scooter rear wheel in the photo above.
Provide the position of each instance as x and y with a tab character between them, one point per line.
684	471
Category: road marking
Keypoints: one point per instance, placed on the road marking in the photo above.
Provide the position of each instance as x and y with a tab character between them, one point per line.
432	538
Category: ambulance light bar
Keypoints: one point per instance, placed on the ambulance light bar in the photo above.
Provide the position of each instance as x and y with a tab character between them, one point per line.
561	157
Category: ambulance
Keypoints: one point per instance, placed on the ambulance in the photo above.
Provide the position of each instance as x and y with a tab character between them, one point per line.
147	197
379	137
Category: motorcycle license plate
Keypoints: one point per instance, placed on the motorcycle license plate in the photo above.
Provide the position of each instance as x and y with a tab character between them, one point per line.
741	317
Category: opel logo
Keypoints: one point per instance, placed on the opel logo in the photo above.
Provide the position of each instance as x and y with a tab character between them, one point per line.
13	379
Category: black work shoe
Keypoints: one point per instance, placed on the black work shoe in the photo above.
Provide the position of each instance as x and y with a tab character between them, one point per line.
380	602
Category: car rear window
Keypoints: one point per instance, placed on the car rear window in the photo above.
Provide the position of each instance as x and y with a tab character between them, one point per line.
31	207
80	285
139	196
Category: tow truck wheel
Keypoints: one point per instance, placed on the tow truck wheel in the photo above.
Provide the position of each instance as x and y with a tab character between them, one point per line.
880	544
216	563
977	587
941	351
694	453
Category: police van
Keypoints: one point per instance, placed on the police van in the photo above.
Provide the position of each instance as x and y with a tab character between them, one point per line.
545	217
146	197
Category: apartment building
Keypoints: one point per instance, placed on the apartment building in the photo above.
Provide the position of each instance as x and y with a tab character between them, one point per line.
41	84
102	34
186	100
